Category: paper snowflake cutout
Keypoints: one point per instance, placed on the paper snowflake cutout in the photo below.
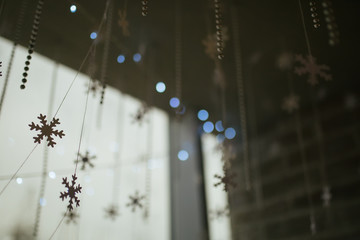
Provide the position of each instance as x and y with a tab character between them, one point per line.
71	217
219	213
85	160
135	201
227	179
71	192
310	67
210	43
326	196
291	103
112	212
123	23
139	116
46	130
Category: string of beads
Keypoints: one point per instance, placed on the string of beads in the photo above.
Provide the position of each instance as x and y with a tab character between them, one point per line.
314	14
218	24
330	22
144	8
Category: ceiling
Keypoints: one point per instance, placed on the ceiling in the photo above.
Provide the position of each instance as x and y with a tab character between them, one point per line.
267	29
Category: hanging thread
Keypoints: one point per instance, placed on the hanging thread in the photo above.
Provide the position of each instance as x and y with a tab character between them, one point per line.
178	51
241	98
32	42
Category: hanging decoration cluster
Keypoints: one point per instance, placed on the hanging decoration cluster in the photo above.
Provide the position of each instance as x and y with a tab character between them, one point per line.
314	13
144	7
331	23
33	36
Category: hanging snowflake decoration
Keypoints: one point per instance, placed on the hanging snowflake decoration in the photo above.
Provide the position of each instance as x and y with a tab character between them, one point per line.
85	160
112	212
71	217
219	213
310	67
71	192
227	179
135	201
47	130
123	22
326	196
140	114
210	43
291	103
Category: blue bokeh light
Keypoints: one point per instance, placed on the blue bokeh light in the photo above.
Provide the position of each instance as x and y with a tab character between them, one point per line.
73	8
160	87
183	155
218	126
203	115
174	102
230	133
93	35
121	58
137	57
208	127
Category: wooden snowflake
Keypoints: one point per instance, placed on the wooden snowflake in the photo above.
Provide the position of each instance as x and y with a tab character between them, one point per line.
219	213
210	43
71	192
326	196
135	201
71	217
46	130
139	116
85	160
112	212
291	103
227	179
310	67
123	22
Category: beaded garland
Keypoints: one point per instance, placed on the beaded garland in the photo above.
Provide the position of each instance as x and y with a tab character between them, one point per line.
219	37
144	7
32	41
314	14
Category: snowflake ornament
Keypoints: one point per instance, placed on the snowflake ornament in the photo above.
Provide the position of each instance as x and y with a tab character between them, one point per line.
47	130
135	201
71	192
326	196
310	67
85	160
112	212
71	217
227	179
139	116
291	103
210	43
219	213
123	22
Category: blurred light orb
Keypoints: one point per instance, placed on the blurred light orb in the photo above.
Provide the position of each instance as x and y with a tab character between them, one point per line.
137	57
52	175
73	8
208	127
42	202
218	126
93	35
19	180
160	87
203	115
183	155
230	133
174	102
220	138
121	58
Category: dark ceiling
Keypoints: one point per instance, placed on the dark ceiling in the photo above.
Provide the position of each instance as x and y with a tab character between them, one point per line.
267	29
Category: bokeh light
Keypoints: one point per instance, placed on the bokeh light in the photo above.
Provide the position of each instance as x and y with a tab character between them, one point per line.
230	133
160	87
208	127
203	115
73	8
137	57
174	102
93	35
183	155
218	126
120	58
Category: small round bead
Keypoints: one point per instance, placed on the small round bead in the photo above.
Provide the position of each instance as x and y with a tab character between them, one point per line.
24	80
28	57
27	63
30	51
26	69
22	86
25	74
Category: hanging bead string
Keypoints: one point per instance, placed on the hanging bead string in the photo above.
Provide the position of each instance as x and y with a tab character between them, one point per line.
317	122
147	168
144	7
219	28
109	18
241	97
330	23
46	156
32	42
17	35
314	13
178	51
